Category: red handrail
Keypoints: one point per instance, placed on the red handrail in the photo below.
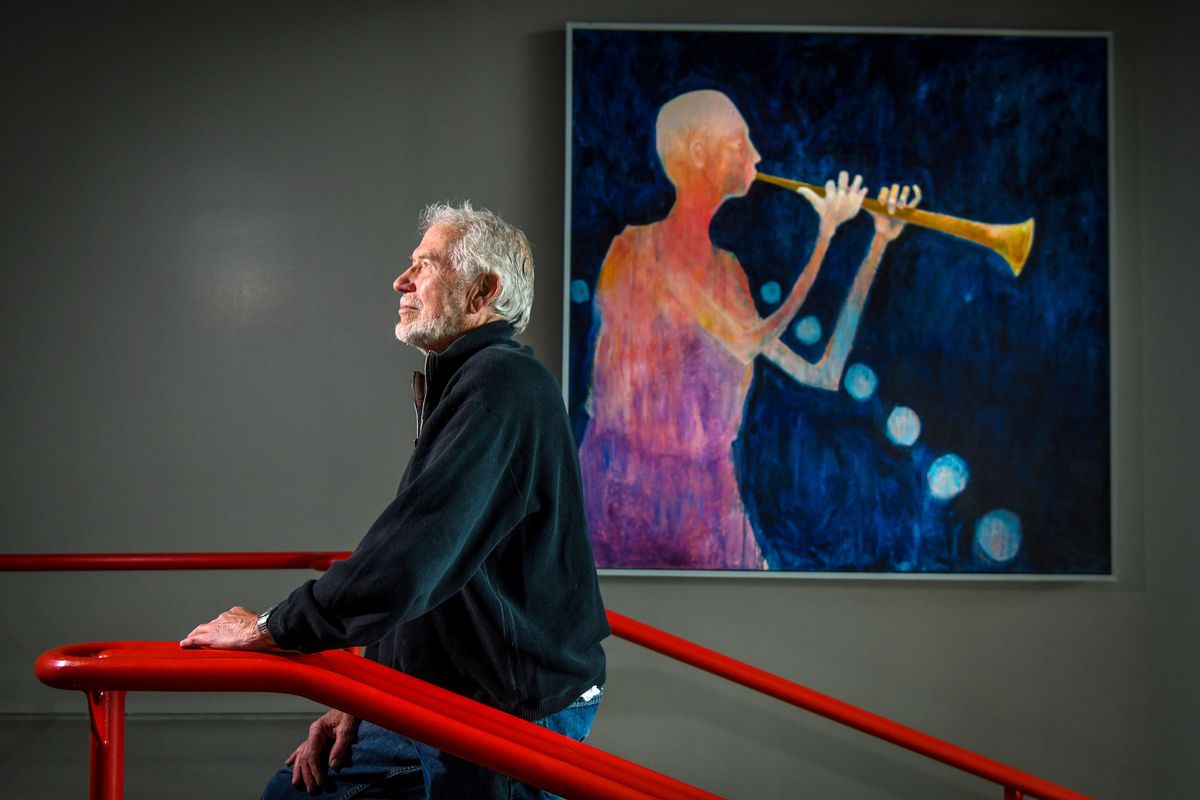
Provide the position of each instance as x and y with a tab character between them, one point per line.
1013	780
79	562
358	686
1015	783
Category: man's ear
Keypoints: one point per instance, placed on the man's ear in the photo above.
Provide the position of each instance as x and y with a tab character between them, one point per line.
697	153
483	292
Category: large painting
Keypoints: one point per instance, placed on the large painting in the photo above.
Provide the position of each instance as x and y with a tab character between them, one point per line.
838	301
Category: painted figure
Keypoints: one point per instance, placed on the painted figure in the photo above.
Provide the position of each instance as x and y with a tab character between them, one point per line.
677	338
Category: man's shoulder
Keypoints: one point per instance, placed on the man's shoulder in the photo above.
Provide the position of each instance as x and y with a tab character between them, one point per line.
509	374
516	391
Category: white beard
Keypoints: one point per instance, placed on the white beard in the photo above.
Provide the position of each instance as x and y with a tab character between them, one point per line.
427	334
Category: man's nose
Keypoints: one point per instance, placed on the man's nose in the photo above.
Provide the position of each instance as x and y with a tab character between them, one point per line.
403	283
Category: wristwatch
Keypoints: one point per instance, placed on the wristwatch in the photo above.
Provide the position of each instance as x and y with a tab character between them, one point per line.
262	621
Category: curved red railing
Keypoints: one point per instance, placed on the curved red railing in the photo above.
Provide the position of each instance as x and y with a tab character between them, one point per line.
362	688
1015	783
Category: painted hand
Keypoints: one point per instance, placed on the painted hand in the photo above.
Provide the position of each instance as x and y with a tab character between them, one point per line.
888	227
841	202
235	629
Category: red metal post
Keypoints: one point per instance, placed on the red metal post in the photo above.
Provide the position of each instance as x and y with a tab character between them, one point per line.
107	752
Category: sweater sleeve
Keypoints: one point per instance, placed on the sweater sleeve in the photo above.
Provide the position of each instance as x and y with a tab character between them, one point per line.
459	498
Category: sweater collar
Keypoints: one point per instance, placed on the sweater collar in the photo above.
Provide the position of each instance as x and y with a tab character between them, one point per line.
470	342
439	366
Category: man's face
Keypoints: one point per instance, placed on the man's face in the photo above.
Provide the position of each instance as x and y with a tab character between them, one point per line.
432	295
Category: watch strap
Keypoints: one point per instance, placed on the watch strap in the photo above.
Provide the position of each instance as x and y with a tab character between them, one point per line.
263	618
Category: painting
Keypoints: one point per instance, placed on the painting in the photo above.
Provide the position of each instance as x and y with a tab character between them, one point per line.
837	301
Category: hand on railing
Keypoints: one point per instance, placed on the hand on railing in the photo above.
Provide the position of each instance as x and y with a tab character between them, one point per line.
235	629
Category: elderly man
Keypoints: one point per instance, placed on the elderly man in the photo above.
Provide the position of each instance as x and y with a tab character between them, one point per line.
479	576
675	350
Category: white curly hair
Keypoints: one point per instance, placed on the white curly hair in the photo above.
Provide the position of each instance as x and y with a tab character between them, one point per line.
485	243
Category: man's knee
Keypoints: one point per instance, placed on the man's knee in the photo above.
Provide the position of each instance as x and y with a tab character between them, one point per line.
280	787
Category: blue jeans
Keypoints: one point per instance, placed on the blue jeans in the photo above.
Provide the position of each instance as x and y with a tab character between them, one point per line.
384	764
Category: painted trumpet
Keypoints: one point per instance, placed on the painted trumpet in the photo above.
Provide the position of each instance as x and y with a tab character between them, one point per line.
1010	242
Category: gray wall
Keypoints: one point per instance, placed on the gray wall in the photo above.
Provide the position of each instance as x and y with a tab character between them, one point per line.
203	211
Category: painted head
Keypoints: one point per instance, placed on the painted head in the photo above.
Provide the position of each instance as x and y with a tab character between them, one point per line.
470	268
704	144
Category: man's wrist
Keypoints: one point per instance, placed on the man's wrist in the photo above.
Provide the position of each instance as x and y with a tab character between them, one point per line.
262	622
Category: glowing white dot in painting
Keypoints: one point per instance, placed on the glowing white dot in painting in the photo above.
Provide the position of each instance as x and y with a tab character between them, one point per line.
947	476
860	382
770	292
808	330
579	291
998	535
903	426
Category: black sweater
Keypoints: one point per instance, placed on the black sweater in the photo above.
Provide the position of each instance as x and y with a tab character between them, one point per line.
479	576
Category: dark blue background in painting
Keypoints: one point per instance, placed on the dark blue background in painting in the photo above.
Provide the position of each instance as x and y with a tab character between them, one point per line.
1009	374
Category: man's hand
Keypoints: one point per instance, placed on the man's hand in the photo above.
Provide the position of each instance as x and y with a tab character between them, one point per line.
327	745
841	202
236	629
888	227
